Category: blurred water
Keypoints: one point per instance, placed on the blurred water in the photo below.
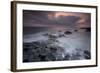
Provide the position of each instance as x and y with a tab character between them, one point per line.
75	46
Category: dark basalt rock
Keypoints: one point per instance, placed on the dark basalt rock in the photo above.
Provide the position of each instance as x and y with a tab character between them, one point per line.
67	57
51	57
67	32
87	29
42	57
48	51
76	30
87	54
62	35
53	49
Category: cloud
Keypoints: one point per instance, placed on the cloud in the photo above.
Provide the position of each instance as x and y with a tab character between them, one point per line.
80	19
56	19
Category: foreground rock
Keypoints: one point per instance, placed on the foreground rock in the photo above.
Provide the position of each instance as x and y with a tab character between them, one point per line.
49	51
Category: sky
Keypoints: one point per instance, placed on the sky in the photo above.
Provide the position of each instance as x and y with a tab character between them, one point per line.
54	20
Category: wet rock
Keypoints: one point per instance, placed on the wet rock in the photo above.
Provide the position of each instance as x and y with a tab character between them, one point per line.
42	57
87	54
61	35
87	29
53	49
67	32
75	30
67	57
51	57
49	50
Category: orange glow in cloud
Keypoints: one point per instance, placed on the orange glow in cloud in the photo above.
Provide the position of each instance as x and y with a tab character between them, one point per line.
51	16
82	22
58	14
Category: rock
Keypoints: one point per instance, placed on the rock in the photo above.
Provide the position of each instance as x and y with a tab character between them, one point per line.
67	32
51	57
76	30
87	54
67	57
53	49
42	57
50	50
61	35
87	29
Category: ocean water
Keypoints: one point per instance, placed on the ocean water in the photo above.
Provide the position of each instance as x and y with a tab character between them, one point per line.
45	46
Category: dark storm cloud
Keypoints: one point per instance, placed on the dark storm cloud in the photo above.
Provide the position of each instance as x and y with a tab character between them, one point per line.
67	20
31	18
54	20
35	18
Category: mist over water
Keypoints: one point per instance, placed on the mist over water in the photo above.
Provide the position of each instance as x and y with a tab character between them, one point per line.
57	46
